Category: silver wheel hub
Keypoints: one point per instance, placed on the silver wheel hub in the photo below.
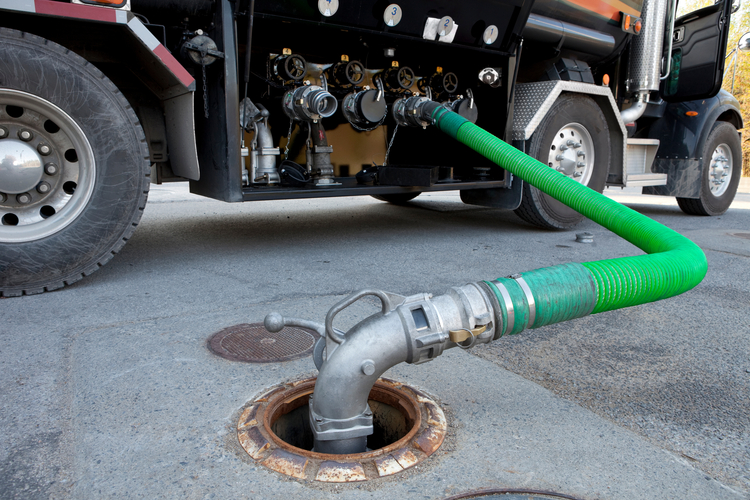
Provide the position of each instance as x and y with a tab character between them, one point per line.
47	168
20	167
572	152
720	170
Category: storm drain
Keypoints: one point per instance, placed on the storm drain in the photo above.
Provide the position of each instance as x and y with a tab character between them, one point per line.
740	235
252	343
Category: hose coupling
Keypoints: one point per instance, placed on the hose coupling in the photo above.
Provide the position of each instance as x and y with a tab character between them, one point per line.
408	111
309	103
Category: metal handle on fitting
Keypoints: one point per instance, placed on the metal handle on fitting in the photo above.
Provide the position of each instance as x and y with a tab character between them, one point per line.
339	337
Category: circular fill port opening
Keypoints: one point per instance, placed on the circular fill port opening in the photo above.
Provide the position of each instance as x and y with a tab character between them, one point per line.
274	430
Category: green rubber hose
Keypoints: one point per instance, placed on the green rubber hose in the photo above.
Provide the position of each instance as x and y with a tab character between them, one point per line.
673	263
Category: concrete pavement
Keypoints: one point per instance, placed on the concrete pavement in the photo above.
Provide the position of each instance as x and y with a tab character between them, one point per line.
109	391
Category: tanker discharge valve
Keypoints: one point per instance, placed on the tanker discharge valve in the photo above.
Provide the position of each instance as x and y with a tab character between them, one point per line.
288	68
366	110
397	78
262	152
346	73
309	103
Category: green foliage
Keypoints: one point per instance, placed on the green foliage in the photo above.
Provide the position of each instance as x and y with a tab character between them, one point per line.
740	24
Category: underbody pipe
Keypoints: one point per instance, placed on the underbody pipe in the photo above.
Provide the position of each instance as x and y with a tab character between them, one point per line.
635	111
419	328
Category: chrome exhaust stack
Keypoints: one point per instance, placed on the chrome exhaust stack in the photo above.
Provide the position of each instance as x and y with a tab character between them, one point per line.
646	52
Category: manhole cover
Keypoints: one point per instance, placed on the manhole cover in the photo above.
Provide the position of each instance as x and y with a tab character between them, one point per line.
252	343
740	235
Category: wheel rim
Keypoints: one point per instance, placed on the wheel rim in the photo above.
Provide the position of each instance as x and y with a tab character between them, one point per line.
572	152
720	170
45	155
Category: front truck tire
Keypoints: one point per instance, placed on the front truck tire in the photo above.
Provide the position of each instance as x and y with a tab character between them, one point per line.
573	138
74	169
721	168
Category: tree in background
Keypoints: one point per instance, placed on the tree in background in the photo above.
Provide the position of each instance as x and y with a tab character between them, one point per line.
739	26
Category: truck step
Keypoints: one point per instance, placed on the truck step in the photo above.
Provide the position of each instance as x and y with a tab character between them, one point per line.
641	154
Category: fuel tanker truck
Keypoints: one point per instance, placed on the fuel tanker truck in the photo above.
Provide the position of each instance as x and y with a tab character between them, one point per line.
285	99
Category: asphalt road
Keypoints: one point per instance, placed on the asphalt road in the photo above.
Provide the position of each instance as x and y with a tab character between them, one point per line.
108	390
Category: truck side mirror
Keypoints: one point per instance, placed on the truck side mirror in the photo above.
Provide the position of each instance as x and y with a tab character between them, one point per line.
744	43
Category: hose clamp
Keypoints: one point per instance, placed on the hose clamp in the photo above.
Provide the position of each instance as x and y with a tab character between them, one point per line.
508	307
529	297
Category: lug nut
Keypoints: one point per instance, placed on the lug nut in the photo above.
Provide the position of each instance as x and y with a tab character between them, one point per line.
44	149
577	174
51	169
559	157
43	187
25	135
581	164
3	132
581	153
3	197
573	144
563	147
23	198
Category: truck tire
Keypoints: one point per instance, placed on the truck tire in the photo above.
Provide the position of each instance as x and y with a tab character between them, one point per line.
74	165
720	172
397	198
574	139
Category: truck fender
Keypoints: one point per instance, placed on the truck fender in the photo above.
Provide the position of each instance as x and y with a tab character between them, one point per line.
168	79
533	101
682	137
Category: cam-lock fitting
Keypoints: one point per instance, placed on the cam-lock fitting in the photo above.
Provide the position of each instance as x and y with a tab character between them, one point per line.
413	329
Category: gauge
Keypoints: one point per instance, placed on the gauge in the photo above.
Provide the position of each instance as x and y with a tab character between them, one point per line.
328	7
445	26
392	15
490	34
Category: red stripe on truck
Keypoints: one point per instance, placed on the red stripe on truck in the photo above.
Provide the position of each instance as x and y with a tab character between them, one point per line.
78	11
175	67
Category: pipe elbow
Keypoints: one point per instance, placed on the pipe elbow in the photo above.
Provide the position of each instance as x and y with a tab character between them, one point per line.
415	330
339	414
635	111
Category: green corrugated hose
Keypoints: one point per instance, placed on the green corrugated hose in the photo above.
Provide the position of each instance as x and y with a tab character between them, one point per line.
673	265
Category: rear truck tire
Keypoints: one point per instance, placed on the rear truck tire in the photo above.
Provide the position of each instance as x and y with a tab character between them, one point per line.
74	169
397	198
721	168
573	138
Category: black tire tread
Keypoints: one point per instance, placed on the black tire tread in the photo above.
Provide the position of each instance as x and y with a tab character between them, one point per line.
703	206
397	198
109	86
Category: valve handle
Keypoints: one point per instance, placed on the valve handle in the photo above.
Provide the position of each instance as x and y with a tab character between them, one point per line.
336	335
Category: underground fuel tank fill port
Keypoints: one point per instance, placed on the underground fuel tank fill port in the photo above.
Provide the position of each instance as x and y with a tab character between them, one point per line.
274	430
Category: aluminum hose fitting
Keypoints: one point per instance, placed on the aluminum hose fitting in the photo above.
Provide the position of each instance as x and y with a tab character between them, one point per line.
412	329
309	103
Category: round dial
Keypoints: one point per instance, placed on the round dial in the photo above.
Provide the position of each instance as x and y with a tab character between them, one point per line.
490	34
328	7
445	26
392	15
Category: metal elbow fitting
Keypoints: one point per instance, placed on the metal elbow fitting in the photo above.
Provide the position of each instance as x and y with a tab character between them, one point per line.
309	103
412	329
